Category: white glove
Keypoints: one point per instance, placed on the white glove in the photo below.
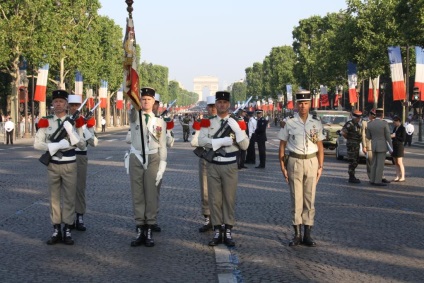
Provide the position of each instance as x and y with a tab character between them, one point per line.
169	139
73	136
240	134
161	170
87	133
218	143
127	162
56	146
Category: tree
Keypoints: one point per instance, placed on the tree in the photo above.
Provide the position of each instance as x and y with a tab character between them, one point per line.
238	92
155	76
254	76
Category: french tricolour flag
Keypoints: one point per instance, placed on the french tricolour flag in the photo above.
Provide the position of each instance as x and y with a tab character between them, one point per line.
419	73
120	99
90	101
374	83
352	79
41	87
78	83
289	97
324	96
103	94
399	92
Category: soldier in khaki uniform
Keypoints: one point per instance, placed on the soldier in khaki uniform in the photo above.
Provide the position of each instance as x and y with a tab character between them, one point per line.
203	179
351	131
84	129
222	171
302	137
62	171
145	177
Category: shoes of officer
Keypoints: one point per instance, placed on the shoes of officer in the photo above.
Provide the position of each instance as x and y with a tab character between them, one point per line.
228	239
57	235
67	237
353	179
217	236
156	228
297	239
385	181
307	239
207	225
260	166
144	236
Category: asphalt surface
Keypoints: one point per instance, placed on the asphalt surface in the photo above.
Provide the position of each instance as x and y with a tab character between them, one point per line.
363	233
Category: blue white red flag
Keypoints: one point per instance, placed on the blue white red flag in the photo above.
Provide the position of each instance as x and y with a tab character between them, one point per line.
120	99
41	87
373	84
289	97
419	71
352	78
78	83
324	97
90	101
399	91
103	94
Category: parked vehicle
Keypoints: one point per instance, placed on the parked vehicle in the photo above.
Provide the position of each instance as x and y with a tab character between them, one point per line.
341	150
332	121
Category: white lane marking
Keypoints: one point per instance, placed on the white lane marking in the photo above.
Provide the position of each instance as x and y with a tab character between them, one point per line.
29	156
109	157
224	265
111	140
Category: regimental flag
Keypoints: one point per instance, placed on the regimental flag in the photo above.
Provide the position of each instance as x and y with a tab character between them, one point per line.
352	78
399	92
373	84
419	71
324	97
120	99
41	87
131	86
90	101
78	83
103	94
289	97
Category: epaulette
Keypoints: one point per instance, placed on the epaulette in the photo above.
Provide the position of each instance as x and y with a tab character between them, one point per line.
170	124
79	122
205	123
242	124
91	122
43	123
196	125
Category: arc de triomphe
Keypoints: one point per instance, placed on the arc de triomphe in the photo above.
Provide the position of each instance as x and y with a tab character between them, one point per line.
205	81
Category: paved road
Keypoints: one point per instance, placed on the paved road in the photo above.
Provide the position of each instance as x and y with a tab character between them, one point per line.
363	233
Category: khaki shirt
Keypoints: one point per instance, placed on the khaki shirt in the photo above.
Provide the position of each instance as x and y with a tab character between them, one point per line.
302	138
154	134
206	134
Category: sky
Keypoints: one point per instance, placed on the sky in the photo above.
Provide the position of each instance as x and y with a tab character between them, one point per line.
218	38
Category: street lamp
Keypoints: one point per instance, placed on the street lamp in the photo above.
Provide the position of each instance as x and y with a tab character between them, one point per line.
383	94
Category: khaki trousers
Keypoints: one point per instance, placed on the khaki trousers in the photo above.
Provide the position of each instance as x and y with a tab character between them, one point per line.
203	181
302	181
222	188
62	185
377	167
80	205
143	189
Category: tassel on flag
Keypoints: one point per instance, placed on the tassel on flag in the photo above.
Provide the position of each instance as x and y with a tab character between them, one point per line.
78	83
41	87
352	78
399	92
131	86
419	71
289	97
324	97
373	84
120	99
103	94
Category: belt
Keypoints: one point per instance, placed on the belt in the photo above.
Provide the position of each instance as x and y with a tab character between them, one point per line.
302	156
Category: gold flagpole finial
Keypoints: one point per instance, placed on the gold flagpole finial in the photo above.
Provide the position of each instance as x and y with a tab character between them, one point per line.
129	8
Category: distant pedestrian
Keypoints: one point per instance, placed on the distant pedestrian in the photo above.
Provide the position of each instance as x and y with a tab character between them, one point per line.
9	126
302	136
351	131
379	133
103	123
398	138
241	158
185	122
261	139
250	154
409	128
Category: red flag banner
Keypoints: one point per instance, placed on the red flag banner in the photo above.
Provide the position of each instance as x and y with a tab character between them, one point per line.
399	91
131	86
324	97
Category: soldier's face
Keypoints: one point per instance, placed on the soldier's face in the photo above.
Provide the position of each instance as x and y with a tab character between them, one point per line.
147	103
211	109
73	107
303	107
222	106
60	105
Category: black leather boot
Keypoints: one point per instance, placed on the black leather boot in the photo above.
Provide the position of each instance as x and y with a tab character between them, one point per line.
140	239
57	235
67	237
149	236
207	225
217	237
228	239
353	179
307	240
156	228
79	223
297	239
